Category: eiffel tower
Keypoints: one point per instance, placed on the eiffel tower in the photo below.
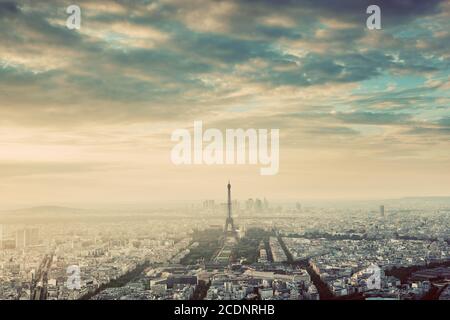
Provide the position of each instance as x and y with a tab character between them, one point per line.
230	229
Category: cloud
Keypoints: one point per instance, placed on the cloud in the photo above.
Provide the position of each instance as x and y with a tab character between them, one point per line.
333	131
439	127
429	131
374	118
27	169
172	60
8	8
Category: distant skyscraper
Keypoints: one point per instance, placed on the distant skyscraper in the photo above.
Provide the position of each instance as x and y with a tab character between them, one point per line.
258	205
33	237
27	237
382	210
20	238
266	205
249	204
209	205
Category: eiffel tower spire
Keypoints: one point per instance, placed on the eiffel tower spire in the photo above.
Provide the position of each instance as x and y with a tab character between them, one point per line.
229	223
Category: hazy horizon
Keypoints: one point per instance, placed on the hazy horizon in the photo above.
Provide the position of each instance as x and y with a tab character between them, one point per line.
182	203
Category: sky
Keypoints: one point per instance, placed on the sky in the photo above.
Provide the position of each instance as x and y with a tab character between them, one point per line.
86	115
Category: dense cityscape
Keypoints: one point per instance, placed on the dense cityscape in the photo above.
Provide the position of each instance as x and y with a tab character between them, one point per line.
213	159
264	252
